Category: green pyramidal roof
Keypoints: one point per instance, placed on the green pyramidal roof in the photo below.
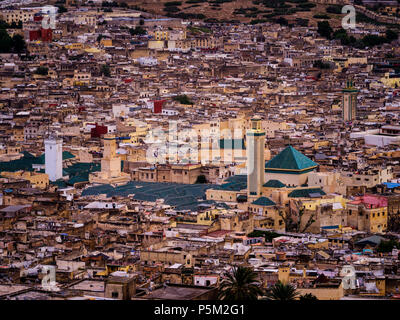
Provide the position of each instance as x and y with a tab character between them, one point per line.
274	184
263	201
290	159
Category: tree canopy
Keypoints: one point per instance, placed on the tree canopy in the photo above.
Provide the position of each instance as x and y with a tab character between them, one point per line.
16	44
240	284
282	292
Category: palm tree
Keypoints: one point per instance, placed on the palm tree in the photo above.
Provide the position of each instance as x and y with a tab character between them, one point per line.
308	297
282	292
240	284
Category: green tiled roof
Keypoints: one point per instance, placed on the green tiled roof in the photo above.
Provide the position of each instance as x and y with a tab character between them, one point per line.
80	178
27	154
59	183
289	159
65	156
306	193
274	184
79	172
25	163
182	196
234	183
375	240
263	201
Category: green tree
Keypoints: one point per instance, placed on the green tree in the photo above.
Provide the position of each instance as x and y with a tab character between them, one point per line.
321	65
172	3
137	31
268	235
43	71
324	29
282	21
282	292
5	41
372	40
18	43
105	70
387	246
183	99
321	16
294	220
61	9
240	284
334	9
308	297
391	35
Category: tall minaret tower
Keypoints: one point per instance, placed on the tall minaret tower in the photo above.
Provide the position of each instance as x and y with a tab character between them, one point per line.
255	158
349	102
53	157
111	163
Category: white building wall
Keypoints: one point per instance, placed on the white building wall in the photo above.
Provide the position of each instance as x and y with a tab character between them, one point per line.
380	141
201	280
53	158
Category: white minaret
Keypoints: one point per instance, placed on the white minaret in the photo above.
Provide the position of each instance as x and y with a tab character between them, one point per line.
53	157
255	158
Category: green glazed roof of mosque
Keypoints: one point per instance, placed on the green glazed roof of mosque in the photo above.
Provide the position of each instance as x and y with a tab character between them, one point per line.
306	193
291	160
274	184
263	201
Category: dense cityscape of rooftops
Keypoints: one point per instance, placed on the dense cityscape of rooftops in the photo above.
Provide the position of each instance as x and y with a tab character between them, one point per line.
155	152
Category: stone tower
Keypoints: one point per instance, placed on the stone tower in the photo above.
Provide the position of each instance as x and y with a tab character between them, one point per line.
255	158
349	102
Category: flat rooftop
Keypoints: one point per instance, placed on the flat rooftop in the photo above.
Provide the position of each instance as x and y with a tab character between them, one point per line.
9	289
89	285
176	293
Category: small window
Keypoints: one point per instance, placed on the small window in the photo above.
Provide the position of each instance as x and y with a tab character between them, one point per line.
114	294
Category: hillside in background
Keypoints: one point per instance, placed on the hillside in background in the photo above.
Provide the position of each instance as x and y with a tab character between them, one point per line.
248	11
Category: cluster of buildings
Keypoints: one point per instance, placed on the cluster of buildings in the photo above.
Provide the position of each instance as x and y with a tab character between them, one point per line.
144	165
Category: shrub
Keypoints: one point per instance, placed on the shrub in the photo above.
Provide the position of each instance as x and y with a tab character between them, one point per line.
172	9
43	71
172	4
307	5
334	9
321	16
183	99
